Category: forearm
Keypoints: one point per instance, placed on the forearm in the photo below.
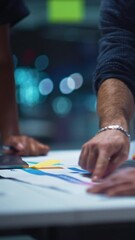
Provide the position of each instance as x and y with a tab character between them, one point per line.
8	108
115	104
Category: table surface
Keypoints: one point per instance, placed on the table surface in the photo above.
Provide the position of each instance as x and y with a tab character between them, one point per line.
57	197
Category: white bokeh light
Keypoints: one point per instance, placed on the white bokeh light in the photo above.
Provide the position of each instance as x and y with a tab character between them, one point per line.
46	86
64	88
77	78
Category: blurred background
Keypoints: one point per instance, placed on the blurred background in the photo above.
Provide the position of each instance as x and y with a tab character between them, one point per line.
54	51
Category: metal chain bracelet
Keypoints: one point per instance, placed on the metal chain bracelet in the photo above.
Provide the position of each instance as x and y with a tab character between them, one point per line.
115	127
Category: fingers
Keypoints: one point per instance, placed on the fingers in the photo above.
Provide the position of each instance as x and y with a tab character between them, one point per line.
15	145
123	189
101	166
83	155
104	153
95	158
121	183
27	146
33	148
37	148
116	161
87	159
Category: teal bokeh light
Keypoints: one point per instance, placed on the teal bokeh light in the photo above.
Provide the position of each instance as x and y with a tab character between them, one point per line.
41	62
27	81
62	105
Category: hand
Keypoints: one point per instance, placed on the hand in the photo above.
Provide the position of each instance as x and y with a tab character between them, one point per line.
104	153
121	183
26	146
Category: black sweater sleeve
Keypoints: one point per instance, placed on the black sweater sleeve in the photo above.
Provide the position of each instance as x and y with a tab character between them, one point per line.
116	57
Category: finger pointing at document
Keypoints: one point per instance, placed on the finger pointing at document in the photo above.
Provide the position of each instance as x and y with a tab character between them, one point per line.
104	153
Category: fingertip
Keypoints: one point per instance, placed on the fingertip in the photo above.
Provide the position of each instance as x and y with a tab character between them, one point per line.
95	178
47	149
20	146
99	172
44	146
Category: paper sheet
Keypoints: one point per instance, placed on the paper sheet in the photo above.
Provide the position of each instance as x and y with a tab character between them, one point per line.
58	170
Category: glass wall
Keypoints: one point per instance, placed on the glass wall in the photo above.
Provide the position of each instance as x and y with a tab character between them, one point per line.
54	52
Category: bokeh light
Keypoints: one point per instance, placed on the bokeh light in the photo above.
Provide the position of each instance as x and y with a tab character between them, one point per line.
27	91
64	86
71	83
46	86
29	95
41	62
77	80
62	105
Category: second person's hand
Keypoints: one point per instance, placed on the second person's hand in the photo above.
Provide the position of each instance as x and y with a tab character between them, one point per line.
26	146
120	183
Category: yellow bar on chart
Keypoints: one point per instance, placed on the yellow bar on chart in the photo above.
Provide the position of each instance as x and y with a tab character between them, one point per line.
46	163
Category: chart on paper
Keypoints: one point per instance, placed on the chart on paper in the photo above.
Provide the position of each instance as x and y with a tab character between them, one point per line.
54	171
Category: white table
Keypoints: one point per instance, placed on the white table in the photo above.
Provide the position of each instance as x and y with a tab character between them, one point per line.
28	206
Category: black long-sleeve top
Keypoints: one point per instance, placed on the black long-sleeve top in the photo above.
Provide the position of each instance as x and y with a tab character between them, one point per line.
117	44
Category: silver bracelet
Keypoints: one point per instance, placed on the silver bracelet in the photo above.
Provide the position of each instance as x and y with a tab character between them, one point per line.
115	127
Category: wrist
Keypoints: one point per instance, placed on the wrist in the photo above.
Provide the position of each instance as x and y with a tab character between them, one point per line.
117	121
115	127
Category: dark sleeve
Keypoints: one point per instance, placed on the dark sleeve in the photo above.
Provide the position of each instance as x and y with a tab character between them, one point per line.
12	11
117	44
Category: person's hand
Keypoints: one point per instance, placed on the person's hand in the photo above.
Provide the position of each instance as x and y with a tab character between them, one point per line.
121	183
26	146
102	154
